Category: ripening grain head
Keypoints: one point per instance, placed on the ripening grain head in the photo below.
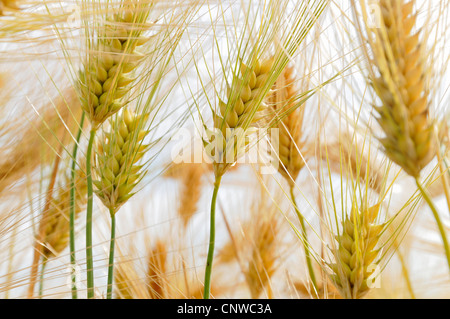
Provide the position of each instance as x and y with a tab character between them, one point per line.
105	79
117	167
400	79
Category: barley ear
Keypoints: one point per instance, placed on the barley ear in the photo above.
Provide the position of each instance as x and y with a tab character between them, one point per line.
57	226
402	88
105	79
289	124
242	108
356	252
116	167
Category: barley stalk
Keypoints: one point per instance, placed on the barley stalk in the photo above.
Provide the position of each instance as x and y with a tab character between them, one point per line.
212	238
72	214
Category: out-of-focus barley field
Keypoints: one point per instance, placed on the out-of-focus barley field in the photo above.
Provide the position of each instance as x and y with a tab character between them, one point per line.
224	149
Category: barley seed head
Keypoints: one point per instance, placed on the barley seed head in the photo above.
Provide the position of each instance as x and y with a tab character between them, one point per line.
105	79
57	225
356	252
116	160
244	104
401	85
289	123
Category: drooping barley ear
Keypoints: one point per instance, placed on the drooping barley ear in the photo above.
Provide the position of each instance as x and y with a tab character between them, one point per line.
356	252
289	123
401	85
104	79
156	272
116	161
243	106
57	225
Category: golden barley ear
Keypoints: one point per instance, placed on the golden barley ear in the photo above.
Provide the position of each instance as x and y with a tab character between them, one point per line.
356	252
105	79
117	168
401	85
289	123
57	223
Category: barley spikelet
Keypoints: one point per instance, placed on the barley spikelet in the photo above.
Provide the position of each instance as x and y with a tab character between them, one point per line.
104	80
356	252
290	125
57	223
156	271
402	88
243	106
116	160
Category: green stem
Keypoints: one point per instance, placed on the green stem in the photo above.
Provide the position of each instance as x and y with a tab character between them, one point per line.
212	236
111	254
72	209
41	279
90	197
305	242
427	198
